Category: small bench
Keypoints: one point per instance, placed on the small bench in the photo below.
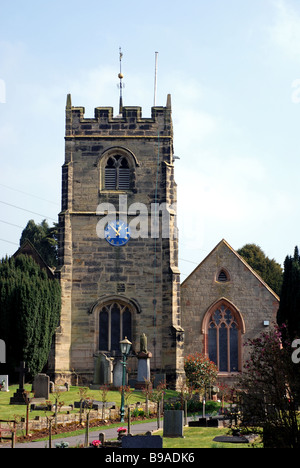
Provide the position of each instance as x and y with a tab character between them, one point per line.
12	430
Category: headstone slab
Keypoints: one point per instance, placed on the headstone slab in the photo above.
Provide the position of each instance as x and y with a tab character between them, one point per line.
118	375
159	379
2	352
142	441
40	386
103	369
173	423
4	383
143	370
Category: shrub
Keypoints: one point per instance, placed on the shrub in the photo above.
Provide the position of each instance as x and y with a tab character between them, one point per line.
200	371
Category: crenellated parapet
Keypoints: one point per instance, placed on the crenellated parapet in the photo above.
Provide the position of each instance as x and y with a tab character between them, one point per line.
130	123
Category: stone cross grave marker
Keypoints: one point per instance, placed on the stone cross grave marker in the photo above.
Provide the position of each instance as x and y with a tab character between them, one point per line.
20	397
22	373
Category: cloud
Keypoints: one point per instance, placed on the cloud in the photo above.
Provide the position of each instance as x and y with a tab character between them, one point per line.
285	32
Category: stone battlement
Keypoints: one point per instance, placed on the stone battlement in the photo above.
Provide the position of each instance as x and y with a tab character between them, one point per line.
129	123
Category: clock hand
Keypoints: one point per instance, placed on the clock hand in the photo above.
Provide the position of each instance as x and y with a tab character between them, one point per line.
120	227
117	232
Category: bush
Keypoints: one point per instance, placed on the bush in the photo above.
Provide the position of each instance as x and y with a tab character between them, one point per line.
200	371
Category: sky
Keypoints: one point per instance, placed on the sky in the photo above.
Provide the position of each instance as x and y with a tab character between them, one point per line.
233	70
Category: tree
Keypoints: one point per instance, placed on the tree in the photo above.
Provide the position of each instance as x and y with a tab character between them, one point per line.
289	308
29	312
44	239
200	371
269	270
269	391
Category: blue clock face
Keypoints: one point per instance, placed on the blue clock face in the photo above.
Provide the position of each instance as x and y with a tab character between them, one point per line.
117	233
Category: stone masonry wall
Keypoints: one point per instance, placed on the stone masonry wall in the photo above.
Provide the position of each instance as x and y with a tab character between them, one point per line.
145	270
245	290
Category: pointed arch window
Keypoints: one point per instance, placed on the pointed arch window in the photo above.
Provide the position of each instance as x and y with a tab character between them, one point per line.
223	276
115	322
117	173
224	338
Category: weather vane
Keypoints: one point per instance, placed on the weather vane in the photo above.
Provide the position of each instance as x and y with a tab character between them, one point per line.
121	85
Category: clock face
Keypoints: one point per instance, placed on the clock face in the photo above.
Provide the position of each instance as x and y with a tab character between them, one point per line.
117	233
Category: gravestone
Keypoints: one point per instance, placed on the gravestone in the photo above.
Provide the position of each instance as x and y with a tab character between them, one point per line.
231	439
40	386
118	375
2	352
202	422
147	441
159	379
4	383
173	423
103	370
97	405
20	396
58	388
143	370
215	422
144	357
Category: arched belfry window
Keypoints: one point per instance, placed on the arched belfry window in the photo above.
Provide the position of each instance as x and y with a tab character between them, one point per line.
117	169
117	173
115	322
223	333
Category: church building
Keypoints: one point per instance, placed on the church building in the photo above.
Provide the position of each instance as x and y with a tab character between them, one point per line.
118	244
225	303
118	253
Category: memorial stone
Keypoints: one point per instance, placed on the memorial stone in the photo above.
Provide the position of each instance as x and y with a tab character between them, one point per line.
20	396
142	441
40	386
4	383
143	363
173	423
118	375
103	370
2	352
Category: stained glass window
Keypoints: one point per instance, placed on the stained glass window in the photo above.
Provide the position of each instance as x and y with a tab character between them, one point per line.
223	339
115	322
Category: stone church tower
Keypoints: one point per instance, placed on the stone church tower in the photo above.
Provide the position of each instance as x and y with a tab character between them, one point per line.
118	244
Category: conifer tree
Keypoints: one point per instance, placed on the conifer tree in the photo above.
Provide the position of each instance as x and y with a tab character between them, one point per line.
289	309
44	239
29	312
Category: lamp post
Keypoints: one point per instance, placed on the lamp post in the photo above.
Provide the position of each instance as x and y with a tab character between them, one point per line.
125	346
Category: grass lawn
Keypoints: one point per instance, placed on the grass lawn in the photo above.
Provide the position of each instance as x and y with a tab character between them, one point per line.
8	411
194	437
202	437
